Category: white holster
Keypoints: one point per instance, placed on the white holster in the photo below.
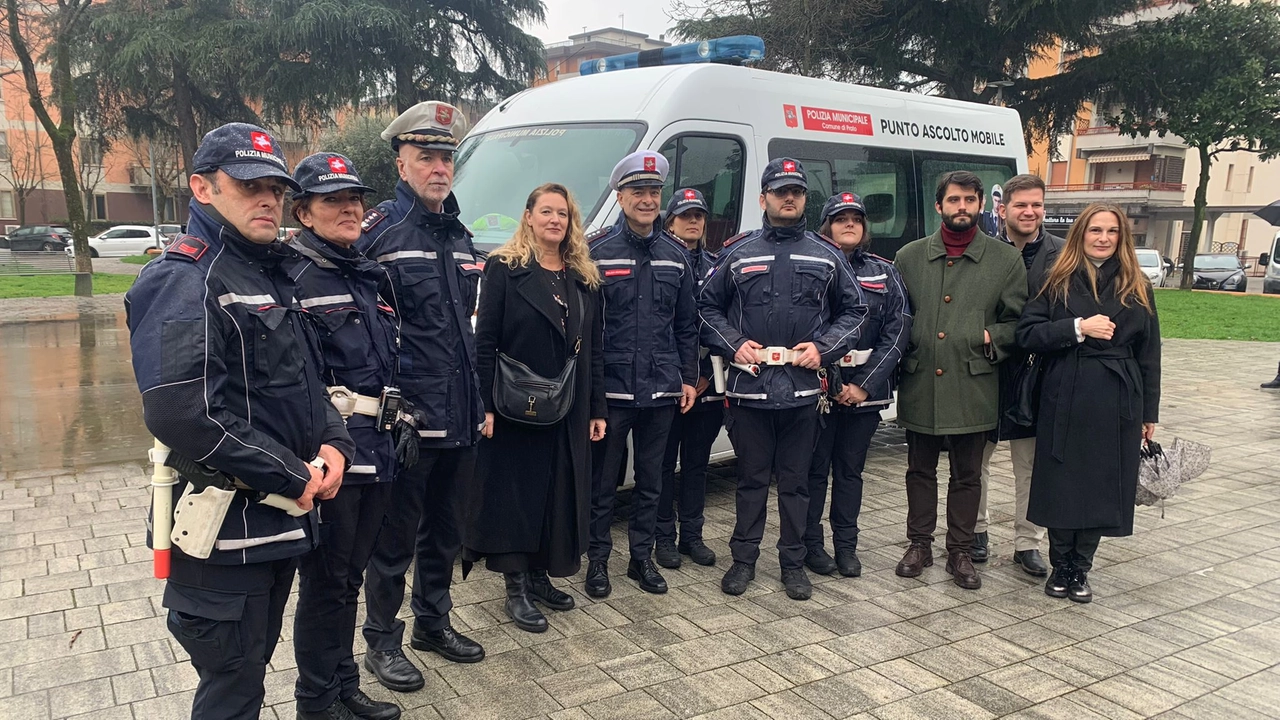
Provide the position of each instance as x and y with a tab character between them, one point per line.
350	403
718	374
854	358
197	518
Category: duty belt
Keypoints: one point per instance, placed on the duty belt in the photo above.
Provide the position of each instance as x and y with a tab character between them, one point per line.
776	355
855	358
350	403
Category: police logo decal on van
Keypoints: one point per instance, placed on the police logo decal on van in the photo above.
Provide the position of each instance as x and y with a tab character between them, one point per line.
789	114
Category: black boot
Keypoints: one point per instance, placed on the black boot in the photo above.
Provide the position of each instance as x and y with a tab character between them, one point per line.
1078	589
978	552
1274	384
1059	580
541	590
520	607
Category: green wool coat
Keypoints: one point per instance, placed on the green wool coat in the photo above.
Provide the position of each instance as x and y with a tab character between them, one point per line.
949	381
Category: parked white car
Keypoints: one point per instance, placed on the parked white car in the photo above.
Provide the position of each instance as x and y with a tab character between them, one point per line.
122	240
1152	265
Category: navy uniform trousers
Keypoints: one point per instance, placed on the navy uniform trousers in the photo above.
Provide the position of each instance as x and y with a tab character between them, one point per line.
228	619
421	525
650	426
769	443
690	441
841	452
329	590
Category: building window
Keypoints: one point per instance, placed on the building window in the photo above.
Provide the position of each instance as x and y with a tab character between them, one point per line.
1249	186
1244	231
1231	171
7	207
91	153
4	145
98	208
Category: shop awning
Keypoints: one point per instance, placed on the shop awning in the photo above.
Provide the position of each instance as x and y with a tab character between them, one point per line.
1118	156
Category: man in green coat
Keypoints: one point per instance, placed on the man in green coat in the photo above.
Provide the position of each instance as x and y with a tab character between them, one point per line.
967	290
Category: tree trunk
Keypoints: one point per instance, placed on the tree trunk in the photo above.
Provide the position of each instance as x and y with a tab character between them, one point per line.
1193	245
406	92
188	133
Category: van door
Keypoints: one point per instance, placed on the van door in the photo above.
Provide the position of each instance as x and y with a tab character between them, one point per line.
713	158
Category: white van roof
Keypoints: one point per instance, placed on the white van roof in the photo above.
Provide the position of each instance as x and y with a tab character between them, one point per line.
775	104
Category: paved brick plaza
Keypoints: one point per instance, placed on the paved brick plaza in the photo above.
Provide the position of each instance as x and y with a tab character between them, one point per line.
1185	624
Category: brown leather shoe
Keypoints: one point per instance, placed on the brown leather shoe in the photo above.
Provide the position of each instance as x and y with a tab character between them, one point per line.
915	560
960	565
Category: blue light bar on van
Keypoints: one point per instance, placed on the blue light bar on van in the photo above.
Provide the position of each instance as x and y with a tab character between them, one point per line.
734	50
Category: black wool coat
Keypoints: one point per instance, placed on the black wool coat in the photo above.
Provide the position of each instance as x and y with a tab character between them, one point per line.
506	505
1046	253
1094	398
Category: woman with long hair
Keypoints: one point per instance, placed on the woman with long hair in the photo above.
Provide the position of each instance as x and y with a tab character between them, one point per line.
1095	328
527	512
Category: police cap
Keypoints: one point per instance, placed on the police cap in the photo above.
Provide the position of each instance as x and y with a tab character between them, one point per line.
433	125
642	168
684	200
840	202
243	151
326	172
782	172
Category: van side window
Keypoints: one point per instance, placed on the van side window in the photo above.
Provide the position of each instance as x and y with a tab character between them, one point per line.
992	171
712	165
884	178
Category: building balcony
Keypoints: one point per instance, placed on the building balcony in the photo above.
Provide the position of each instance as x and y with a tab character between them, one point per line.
1144	193
1091	140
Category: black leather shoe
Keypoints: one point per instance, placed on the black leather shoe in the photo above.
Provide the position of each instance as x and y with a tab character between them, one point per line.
520	607
393	670
979	552
541	590
1031	562
848	564
735	581
667	555
598	579
336	711
646	573
366	708
817	560
448	644
1058	581
796	582
1274	384
698	552
1078	589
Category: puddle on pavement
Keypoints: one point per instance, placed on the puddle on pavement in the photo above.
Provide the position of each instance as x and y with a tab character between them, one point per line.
67	394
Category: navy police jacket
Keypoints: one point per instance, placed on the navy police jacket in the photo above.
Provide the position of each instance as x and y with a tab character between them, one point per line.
434	276
339	288
228	365
702	261
885	332
780	287
650	320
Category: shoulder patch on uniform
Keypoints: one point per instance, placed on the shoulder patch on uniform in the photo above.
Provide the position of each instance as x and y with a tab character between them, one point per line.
828	241
371	219
881	259
736	238
187	247
599	234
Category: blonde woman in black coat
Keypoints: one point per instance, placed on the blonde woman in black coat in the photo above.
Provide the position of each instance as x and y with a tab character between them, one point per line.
1095	328
526	515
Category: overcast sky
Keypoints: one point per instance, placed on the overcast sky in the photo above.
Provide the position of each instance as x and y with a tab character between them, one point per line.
567	17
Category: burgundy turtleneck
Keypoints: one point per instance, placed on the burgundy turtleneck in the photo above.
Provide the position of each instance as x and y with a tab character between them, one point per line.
958	242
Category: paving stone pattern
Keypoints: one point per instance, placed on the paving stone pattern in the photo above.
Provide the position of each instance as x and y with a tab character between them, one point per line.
1184	626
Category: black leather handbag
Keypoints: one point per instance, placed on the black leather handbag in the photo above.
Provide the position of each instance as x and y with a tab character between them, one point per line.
522	395
1025	402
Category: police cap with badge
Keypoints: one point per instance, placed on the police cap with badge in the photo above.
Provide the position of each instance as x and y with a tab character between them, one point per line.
642	168
432	125
326	172
243	151
840	202
684	200
783	172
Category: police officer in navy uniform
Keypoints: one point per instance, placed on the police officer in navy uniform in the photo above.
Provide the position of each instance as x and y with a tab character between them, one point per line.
434	275
339	287
780	304
651	363
693	433
227	361
867	376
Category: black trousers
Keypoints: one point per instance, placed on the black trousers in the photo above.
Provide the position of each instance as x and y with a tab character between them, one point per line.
841	452
650	427
421	526
228	619
692	435
329	590
1073	547
772	443
964	490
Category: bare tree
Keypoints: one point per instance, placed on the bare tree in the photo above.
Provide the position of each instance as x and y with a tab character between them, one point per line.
163	161
21	167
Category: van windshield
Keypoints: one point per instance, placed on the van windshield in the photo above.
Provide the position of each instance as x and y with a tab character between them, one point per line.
495	171
1148	259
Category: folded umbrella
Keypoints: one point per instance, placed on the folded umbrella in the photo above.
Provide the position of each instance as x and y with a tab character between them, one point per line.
1162	470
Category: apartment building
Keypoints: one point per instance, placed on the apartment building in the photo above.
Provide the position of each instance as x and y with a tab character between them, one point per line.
565	58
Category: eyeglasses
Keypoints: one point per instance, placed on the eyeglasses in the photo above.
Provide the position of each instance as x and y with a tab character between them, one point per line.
788	191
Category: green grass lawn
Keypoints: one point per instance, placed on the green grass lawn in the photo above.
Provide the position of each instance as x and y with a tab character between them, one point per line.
1214	316
54	285
138	259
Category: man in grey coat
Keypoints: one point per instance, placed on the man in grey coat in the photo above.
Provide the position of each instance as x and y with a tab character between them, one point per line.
1022	216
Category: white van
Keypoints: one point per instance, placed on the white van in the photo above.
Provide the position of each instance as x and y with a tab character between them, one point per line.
719	125
1271	280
